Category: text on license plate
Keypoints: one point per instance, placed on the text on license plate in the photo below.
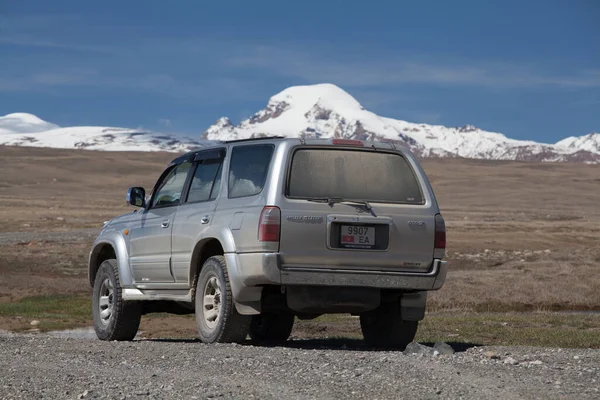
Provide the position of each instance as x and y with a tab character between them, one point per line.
358	237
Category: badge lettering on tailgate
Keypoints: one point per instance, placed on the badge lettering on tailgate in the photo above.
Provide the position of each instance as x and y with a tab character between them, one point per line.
307	219
416	225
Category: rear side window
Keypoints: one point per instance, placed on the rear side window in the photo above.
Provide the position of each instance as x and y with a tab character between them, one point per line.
353	175
205	182
248	170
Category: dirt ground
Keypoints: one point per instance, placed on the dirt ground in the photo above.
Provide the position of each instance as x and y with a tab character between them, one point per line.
42	366
521	236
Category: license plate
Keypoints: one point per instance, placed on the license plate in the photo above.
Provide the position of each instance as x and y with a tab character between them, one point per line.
357	237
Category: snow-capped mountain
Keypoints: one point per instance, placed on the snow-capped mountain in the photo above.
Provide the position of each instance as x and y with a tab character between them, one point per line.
325	110
590	142
21	129
23	123
322	110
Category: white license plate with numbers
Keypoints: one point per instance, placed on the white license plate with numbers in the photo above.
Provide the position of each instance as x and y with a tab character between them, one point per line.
357	237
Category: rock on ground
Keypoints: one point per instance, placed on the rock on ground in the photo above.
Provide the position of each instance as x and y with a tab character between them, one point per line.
443	348
42	366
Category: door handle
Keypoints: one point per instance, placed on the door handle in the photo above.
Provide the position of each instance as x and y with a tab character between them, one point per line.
205	219
165	223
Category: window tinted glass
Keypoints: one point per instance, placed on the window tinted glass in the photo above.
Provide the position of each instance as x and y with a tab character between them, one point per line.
353	175
217	184
170	188
249	167
203	183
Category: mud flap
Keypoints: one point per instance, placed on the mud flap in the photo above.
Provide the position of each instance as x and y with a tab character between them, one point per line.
412	306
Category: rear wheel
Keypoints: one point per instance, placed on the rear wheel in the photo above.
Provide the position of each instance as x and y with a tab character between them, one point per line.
274	326
217	319
114	318
385	328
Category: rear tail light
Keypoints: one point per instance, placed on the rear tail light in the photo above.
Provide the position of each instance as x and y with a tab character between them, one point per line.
269	225
440	232
348	142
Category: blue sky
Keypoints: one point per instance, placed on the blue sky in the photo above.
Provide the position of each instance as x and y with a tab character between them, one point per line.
529	69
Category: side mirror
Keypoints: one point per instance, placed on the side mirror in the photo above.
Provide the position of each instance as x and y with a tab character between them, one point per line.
136	196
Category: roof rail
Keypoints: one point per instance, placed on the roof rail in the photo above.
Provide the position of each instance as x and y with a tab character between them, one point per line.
257	138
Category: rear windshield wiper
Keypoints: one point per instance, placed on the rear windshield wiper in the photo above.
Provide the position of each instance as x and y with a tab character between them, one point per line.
332	200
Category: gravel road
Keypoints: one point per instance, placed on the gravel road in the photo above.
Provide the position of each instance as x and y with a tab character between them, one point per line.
42	366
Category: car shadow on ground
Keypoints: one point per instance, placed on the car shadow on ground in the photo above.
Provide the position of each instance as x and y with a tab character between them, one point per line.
335	344
458	347
349	345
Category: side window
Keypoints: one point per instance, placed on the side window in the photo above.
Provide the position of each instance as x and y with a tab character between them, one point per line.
248	170
168	192
217	184
205	182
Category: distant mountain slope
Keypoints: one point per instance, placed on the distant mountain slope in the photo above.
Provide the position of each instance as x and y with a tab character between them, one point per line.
325	110
22	129
320	111
23	123
589	142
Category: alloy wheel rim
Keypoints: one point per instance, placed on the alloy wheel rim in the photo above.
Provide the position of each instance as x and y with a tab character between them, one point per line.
105	301
212	302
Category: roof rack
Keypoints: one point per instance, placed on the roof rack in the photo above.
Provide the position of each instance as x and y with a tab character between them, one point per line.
257	138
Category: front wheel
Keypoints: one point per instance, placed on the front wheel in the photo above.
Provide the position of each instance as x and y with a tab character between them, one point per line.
275	326
114	318
385	328
216	316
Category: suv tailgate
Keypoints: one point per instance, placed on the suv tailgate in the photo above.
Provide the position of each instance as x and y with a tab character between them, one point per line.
384	224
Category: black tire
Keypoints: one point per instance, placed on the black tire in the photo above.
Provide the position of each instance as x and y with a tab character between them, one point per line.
122	320
228	326
385	328
268	327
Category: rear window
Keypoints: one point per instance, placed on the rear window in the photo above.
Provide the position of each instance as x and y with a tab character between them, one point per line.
353	175
249	168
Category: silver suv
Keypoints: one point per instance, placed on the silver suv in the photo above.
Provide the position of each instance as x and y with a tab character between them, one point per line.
250	234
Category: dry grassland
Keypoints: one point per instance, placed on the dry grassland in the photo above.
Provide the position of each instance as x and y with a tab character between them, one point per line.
522	236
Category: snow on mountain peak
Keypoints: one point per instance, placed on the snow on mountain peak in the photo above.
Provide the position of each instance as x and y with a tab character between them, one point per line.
311	111
326	95
223	122
468	128
589	142
23	123
222	126
325	110
24	117
322	110
22	129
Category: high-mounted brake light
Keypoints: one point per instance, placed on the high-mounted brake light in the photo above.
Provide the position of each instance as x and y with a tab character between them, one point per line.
348	142
269	225
440	232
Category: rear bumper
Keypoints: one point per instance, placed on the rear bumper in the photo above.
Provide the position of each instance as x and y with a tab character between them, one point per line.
432	280
255	269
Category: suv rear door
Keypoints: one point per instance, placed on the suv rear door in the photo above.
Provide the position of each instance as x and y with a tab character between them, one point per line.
243	198
385	223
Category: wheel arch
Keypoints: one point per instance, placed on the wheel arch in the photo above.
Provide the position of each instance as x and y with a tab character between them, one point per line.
203	250
100	253
106	248
221	242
